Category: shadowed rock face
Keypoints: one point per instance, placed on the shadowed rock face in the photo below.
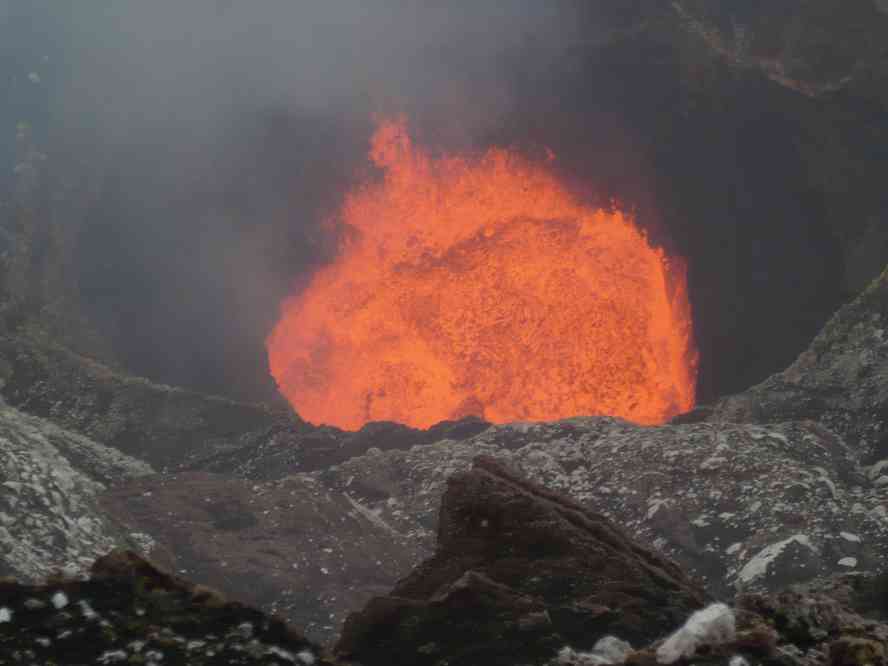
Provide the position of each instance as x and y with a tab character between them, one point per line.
129	611
841	380
518	571
160	424
176	429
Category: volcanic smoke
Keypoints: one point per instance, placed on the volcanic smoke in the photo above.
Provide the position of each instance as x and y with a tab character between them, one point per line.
480	285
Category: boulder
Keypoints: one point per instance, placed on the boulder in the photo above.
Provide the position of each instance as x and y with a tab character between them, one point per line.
518	572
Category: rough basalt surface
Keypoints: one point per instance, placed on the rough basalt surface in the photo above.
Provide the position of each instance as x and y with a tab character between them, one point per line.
50	482
293	547
175	429
160	424
839	620
742	500
841	380
130	612
518	572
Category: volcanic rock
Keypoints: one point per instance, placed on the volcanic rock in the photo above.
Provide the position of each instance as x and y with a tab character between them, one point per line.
762	489
518	571
160	424
815	50
285	448
840	381
50	479
751	505
736	505
129	611
292	546
830	620
176	429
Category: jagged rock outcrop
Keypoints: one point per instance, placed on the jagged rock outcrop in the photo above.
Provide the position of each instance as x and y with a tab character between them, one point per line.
177	429
518	571
50	480
739	500
819	49
163	425
841	380
522	575
839	620
742	505
739	506
760	490
128	611
286	448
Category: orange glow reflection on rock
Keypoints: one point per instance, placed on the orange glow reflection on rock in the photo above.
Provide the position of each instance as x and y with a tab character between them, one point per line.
481	286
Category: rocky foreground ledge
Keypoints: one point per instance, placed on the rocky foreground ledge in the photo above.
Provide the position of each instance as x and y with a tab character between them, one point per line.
129	612
521	575
525	575
785	483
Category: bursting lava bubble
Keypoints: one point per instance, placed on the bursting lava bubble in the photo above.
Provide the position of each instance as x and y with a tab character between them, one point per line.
481	286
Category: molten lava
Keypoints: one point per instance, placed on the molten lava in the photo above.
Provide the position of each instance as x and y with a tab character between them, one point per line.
482	286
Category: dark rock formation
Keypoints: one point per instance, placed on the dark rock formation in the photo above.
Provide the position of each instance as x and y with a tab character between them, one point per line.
173	428
736	505
759	130
833	620
841	380
285	448
518	572
748	505
160	424
305	552
784	482
255	541
740	501
129	611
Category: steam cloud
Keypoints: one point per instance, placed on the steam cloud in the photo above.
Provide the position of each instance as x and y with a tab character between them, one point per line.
193	147
210	137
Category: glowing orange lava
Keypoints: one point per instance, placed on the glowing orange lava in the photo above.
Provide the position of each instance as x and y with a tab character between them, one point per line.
482	286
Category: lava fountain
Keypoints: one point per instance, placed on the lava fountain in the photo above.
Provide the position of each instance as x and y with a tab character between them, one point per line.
480	285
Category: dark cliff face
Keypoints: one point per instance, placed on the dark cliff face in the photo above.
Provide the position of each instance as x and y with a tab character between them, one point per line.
750	136
841	380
